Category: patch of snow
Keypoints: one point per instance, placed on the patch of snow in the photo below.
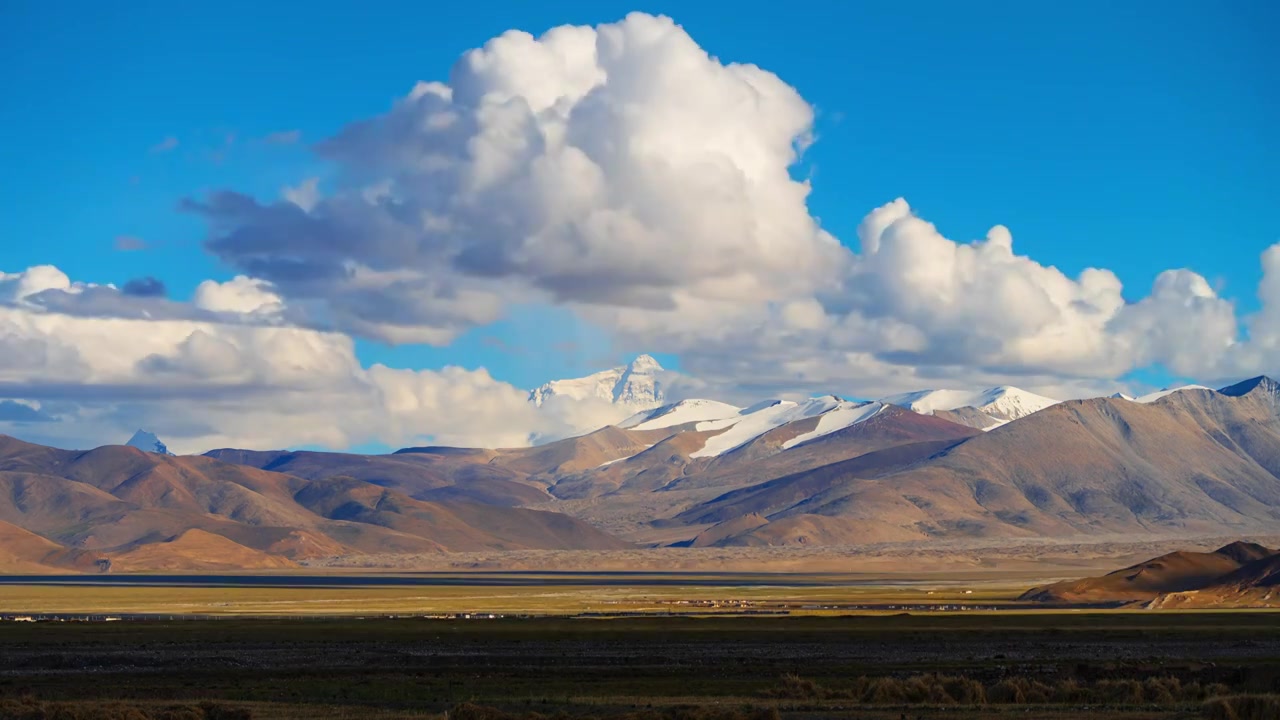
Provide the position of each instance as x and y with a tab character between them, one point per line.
762	405
1121	396
685	411
844	415
758	420
1152	397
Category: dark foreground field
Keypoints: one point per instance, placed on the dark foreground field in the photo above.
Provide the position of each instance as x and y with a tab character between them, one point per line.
962	666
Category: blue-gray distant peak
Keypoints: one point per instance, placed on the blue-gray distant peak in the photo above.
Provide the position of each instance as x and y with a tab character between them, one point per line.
148	442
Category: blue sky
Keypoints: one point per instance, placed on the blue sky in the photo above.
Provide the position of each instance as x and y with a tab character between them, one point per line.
1137	137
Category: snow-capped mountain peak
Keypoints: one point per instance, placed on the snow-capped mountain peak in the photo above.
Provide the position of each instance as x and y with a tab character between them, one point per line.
987	408
1011	403
634	385
644	363
148	442
639	384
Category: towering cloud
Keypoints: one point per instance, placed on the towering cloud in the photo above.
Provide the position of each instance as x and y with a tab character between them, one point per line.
616	166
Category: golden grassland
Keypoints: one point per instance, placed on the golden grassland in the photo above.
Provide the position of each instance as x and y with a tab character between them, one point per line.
550	599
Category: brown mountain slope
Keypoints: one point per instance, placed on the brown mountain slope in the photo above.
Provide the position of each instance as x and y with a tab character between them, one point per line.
664	482
439	474
1192	461
196	550
181	484
717	534
22	551
615	478
1174	572
648	470
1238	575
455	527
811	486
1258	572
1255	584
510	477
119	501
580	453
765	457
754	530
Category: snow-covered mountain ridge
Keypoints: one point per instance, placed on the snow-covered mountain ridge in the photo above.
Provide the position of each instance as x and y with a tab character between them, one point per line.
1003	403
740	426
989	408
639	386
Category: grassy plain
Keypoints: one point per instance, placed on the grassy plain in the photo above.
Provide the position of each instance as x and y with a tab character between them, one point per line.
615	646
617	597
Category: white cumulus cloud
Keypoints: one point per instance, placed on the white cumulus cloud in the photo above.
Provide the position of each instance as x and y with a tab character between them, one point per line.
215	376
613	165
627	174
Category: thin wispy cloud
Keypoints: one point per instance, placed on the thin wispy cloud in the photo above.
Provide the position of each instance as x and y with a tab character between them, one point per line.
283	137
218	155
130	243
168	144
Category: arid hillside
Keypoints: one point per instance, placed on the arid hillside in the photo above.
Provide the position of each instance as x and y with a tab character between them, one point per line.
66	510
825	472
1238	575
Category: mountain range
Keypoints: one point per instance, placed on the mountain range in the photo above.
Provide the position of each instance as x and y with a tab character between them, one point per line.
139	510
995	465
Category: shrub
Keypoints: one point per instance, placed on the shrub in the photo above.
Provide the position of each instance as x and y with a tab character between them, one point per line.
32	709
965	691
1014	690
1162	691
885	691
180	712
794	687
1243	707
1121	692
1006	692
471	711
